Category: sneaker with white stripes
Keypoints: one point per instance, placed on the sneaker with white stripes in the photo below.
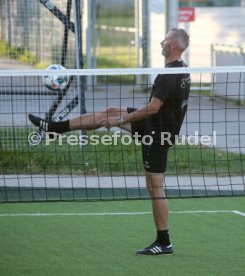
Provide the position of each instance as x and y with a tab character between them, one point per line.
37	121
156	249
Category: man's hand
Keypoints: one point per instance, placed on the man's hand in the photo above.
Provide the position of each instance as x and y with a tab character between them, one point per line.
146	111
109	122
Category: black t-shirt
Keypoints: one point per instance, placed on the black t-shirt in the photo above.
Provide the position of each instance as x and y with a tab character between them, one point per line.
173	90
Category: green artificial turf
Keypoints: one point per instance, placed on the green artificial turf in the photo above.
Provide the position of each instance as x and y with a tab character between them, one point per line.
71	244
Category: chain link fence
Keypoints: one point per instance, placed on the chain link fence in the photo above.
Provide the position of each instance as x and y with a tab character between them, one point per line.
29	32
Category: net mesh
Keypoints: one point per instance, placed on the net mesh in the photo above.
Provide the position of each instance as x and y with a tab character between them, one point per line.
208	159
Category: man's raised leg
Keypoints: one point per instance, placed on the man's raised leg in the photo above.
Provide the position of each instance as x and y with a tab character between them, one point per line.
86	121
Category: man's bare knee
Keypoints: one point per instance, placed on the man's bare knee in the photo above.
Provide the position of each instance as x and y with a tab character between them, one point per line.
155	184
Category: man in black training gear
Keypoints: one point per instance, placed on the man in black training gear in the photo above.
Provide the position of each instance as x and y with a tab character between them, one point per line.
161	118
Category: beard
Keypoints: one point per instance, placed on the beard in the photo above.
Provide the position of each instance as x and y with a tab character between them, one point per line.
165	52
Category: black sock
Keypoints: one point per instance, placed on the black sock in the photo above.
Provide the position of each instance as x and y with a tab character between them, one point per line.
59	127
163	237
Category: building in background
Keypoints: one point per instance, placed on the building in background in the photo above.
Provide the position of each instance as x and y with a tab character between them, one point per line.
122	33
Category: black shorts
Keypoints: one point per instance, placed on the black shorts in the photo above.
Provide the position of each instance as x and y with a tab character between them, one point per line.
154	154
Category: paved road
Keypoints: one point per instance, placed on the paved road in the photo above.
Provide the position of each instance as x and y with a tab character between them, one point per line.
76	181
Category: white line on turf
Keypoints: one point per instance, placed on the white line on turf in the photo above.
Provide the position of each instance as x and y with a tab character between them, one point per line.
201	211
238	213
73	214
119	213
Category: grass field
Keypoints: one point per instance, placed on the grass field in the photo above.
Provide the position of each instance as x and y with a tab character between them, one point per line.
115	159
101	238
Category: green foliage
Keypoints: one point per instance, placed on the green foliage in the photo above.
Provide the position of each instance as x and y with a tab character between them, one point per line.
12	52
42	65
28	57
124	21
19	53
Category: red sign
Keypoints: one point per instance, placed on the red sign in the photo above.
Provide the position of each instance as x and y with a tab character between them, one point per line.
186	14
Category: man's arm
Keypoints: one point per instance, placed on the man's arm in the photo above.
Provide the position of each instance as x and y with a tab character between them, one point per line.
146	111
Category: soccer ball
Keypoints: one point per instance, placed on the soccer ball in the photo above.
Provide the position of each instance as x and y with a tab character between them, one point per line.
56	82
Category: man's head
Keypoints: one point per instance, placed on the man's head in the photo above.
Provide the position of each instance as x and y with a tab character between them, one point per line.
175	42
